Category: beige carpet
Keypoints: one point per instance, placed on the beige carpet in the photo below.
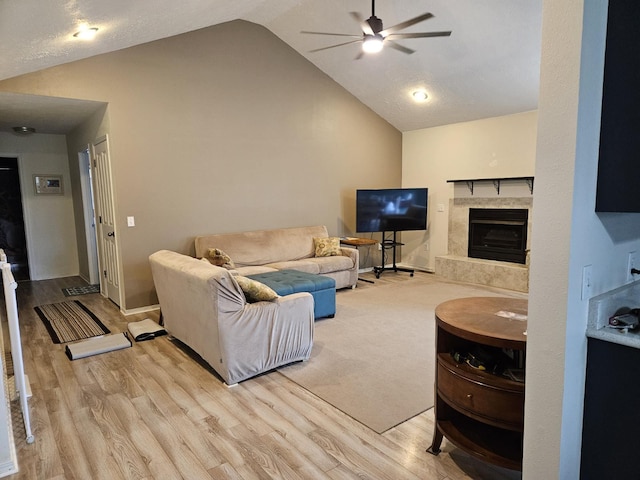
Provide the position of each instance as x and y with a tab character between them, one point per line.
375	360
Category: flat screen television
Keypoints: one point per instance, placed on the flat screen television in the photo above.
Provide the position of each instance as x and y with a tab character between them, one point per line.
391	209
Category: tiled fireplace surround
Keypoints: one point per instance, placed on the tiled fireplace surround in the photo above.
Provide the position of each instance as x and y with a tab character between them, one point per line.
456	265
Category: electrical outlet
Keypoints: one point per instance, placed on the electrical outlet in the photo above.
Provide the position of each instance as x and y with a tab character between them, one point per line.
631	264
586	282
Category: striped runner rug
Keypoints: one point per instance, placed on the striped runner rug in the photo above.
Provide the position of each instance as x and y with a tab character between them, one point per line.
70	321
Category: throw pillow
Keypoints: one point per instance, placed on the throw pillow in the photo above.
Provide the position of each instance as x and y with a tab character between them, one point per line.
219	258
255	291
327	246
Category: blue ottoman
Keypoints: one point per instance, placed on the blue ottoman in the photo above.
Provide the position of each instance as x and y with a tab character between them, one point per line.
321	288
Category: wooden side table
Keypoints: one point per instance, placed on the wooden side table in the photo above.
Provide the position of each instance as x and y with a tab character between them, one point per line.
480	411
359	242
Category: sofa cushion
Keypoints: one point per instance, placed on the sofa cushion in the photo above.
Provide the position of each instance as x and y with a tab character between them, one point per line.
255	291
252	270
307	265
334	263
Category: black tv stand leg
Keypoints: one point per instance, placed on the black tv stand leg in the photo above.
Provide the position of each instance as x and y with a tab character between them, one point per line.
392	244
378	270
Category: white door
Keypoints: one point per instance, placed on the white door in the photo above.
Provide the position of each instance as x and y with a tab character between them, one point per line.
105	209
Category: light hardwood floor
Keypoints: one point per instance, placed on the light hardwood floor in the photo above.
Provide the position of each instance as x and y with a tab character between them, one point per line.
155	412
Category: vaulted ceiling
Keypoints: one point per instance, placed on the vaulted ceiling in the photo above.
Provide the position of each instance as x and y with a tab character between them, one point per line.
489	66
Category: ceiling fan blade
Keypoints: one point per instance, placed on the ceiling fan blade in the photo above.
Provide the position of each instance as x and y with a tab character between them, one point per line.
334	46
366	28
397	46
334	34
405	24
397	36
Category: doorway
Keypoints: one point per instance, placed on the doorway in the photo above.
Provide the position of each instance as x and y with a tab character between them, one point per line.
12	235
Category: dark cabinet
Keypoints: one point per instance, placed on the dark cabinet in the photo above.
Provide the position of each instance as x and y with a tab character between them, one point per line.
619	160
610	439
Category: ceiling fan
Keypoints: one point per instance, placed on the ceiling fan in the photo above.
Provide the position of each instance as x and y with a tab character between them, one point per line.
374	36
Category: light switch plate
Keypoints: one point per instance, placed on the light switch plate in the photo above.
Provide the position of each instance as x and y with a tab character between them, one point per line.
131	222
586	282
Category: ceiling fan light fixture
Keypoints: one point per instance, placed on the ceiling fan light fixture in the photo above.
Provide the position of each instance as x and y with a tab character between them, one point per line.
374	35
86	33
419	95
372	43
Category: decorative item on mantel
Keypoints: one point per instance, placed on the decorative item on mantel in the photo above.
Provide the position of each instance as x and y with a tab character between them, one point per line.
496	182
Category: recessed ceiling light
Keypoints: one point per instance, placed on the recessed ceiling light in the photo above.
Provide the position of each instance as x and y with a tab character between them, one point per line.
420	95
87	33
24	130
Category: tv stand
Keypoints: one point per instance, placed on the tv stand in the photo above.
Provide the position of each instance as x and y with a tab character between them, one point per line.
390	244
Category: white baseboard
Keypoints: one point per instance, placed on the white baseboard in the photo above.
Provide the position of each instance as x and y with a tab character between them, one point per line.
417	269
134	311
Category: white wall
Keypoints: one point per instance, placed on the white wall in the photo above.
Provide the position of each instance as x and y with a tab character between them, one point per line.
49	222
567	235
488	148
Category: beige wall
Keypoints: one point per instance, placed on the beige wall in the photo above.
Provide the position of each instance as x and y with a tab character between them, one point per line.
489	148
223	129
49	221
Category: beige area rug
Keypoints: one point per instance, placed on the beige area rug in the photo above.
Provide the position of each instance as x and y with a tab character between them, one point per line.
375	360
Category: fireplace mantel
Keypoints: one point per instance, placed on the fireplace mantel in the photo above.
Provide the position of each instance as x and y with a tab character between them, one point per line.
496	182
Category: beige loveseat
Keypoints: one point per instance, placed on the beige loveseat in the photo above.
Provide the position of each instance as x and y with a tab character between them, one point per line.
203	306
284	248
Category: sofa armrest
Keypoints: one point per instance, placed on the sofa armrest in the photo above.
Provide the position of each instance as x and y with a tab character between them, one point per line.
266	335
353	254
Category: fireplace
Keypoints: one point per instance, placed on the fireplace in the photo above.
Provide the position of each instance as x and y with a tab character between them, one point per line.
498	234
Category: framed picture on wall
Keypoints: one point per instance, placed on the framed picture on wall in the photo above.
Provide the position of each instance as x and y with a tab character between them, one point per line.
48	184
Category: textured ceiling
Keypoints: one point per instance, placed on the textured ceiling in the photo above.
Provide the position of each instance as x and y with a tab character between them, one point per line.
489	66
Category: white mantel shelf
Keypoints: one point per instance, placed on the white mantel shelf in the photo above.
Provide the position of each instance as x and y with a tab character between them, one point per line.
496	182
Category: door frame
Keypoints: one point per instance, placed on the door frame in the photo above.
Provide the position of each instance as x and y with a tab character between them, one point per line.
89	215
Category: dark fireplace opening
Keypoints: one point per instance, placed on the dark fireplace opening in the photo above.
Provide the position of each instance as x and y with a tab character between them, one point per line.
498	234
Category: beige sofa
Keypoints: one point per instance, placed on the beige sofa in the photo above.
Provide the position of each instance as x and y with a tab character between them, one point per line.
203	306
285	248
